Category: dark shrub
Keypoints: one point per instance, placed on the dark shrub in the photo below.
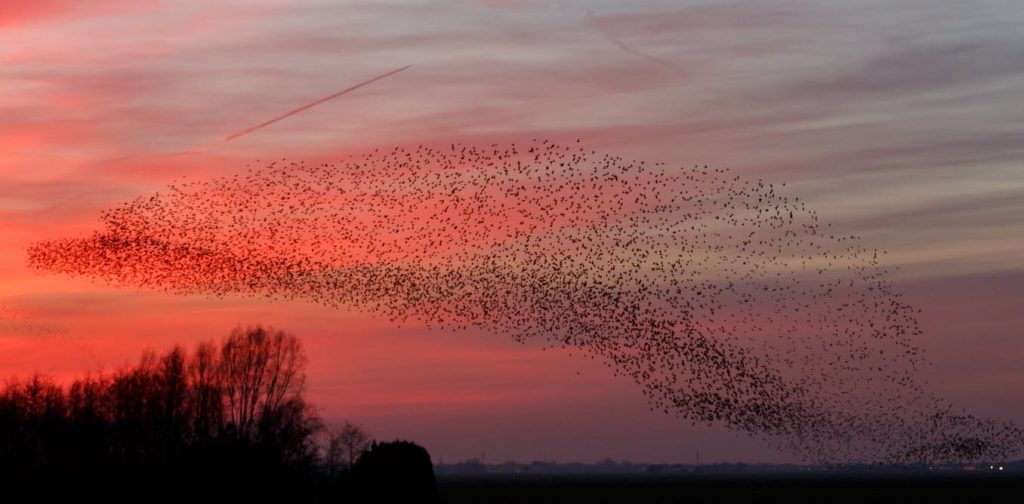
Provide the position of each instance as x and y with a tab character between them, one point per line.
399	471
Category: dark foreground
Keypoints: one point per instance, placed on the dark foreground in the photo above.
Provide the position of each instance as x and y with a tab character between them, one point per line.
690	488
543	489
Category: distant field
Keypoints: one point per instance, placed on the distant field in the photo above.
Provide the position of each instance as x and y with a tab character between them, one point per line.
507	489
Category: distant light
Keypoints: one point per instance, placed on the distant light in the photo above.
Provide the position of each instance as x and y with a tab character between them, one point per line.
1000	468
991	467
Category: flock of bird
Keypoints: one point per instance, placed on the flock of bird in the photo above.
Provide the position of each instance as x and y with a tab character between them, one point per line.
16	323
725	300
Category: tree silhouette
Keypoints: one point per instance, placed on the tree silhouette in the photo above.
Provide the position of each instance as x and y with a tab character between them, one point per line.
221	415
260	369
354	441
344	445
397	471
334	454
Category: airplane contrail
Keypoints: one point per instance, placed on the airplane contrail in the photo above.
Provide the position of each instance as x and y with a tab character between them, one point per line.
625	47
311	105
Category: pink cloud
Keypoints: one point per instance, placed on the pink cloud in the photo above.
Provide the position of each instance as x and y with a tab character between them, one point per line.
24	12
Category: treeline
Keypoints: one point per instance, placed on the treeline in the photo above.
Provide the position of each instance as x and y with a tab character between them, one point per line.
220	416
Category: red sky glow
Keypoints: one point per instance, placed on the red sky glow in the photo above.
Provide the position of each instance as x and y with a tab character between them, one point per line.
903	128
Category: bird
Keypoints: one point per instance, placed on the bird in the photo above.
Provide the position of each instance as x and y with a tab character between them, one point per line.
725	299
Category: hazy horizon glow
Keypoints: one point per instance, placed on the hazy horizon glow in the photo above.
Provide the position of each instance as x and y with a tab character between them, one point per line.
895	123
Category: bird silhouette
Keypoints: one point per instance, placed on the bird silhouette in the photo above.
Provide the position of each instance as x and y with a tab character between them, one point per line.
724	299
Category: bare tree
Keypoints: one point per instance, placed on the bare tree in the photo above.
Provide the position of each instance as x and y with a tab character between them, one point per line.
285	369
261	370
232	411
345	444
206	403
173	393
353	441
333	453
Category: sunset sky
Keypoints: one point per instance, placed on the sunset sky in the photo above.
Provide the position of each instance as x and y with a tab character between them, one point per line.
899	122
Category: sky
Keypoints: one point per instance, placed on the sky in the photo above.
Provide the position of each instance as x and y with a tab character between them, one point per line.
899	122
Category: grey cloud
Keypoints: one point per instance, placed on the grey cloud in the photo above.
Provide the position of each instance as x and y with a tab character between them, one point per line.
919	69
